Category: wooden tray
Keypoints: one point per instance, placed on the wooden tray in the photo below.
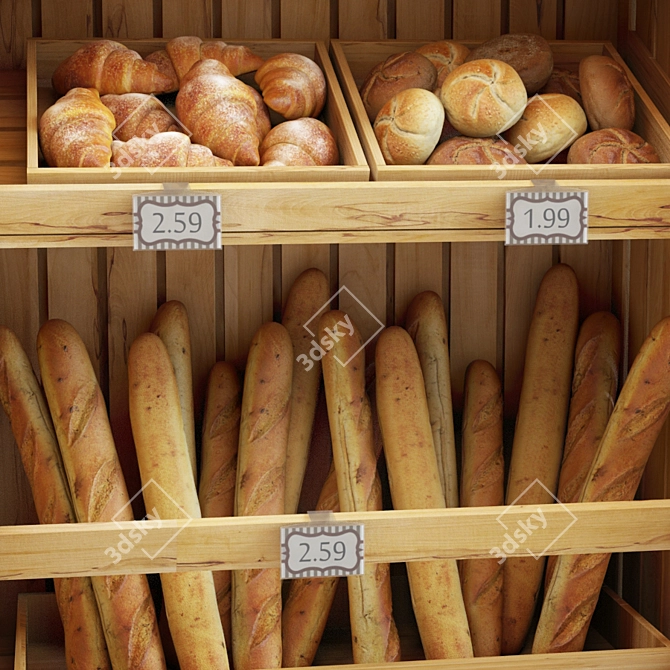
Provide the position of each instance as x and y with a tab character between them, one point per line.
354	60
44	56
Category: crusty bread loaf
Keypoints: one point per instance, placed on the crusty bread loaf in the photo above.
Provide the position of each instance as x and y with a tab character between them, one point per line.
373	630
612	146
565	82
98	489
304	141
475	151
482	485
632	431
445	55
609	99
397	73
261	465
415	484
539	435
483	97
550	123
408	126
23	401
164	460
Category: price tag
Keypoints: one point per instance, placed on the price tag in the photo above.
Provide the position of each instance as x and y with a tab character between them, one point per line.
180	221
547	217
321	551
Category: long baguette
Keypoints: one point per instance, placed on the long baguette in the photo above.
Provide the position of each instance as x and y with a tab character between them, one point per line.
539	435
615	474
307	296
373	630
98	490
261	464
23	401
427	325
171	324
482	485
415	484
220	435
169	491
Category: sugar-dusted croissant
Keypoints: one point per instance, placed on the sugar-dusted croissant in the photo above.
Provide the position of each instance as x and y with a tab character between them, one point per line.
163	150
109	67
182	53
76	131
300	142
292	85
139	115
223	113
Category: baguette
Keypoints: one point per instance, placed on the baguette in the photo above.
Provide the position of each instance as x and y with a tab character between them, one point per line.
307	296
171	325
162	454
261	465
98	490
373	630
615	474
23	401
427	325
415	484
539	435
220	434
482	485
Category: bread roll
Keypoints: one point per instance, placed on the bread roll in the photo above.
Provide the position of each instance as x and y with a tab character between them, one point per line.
530	55
397	73
483	97
476	151
623	452
445	55
415	484
609	99
303	141
139	115
550	123
482	485
539	435
565	82
409	126
612	146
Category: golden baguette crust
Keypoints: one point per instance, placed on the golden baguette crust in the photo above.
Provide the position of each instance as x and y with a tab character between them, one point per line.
415	484
539	434
23	401
483	485
373	630
615	474
98	489
261	465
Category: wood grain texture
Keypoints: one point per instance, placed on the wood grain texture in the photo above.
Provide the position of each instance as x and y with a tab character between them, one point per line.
363	19
592	20
16	24
418	267
646	23
477	19
127	19
663	36
305	19
422	20
247	19
533	16
295	258
187	18
76	22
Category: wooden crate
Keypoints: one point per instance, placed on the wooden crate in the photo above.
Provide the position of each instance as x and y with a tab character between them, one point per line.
44	56
354	60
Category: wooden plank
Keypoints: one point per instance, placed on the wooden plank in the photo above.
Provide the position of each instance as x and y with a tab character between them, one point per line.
75	23
187	18
420	20
533	16
592	20
295	258
305	19
126	19
13	146
663	36
363	19
16	21
477	19
646	24
247	19
418	267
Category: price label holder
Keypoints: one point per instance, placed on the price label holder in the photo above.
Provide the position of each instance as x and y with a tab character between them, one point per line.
176	218
546	215
322	548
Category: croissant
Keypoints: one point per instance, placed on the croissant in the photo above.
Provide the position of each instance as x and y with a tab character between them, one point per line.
182	53
300	142
139	115
109	67
223	113
163	150
76	131
292	85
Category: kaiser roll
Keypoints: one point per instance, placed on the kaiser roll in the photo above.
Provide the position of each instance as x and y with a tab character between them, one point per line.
475	151
565	82
612	145
445	55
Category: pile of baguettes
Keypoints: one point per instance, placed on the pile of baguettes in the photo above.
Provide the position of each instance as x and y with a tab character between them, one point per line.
446	105
220	121
253	454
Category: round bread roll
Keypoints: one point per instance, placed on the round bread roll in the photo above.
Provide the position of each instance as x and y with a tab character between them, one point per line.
609	101
549	124
409	126
612	146
530	55
397	73
565	82
483	97
475	151
305	141
445	55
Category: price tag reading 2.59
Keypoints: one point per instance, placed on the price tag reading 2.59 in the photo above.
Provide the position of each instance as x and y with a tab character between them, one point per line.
547	217
321	551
